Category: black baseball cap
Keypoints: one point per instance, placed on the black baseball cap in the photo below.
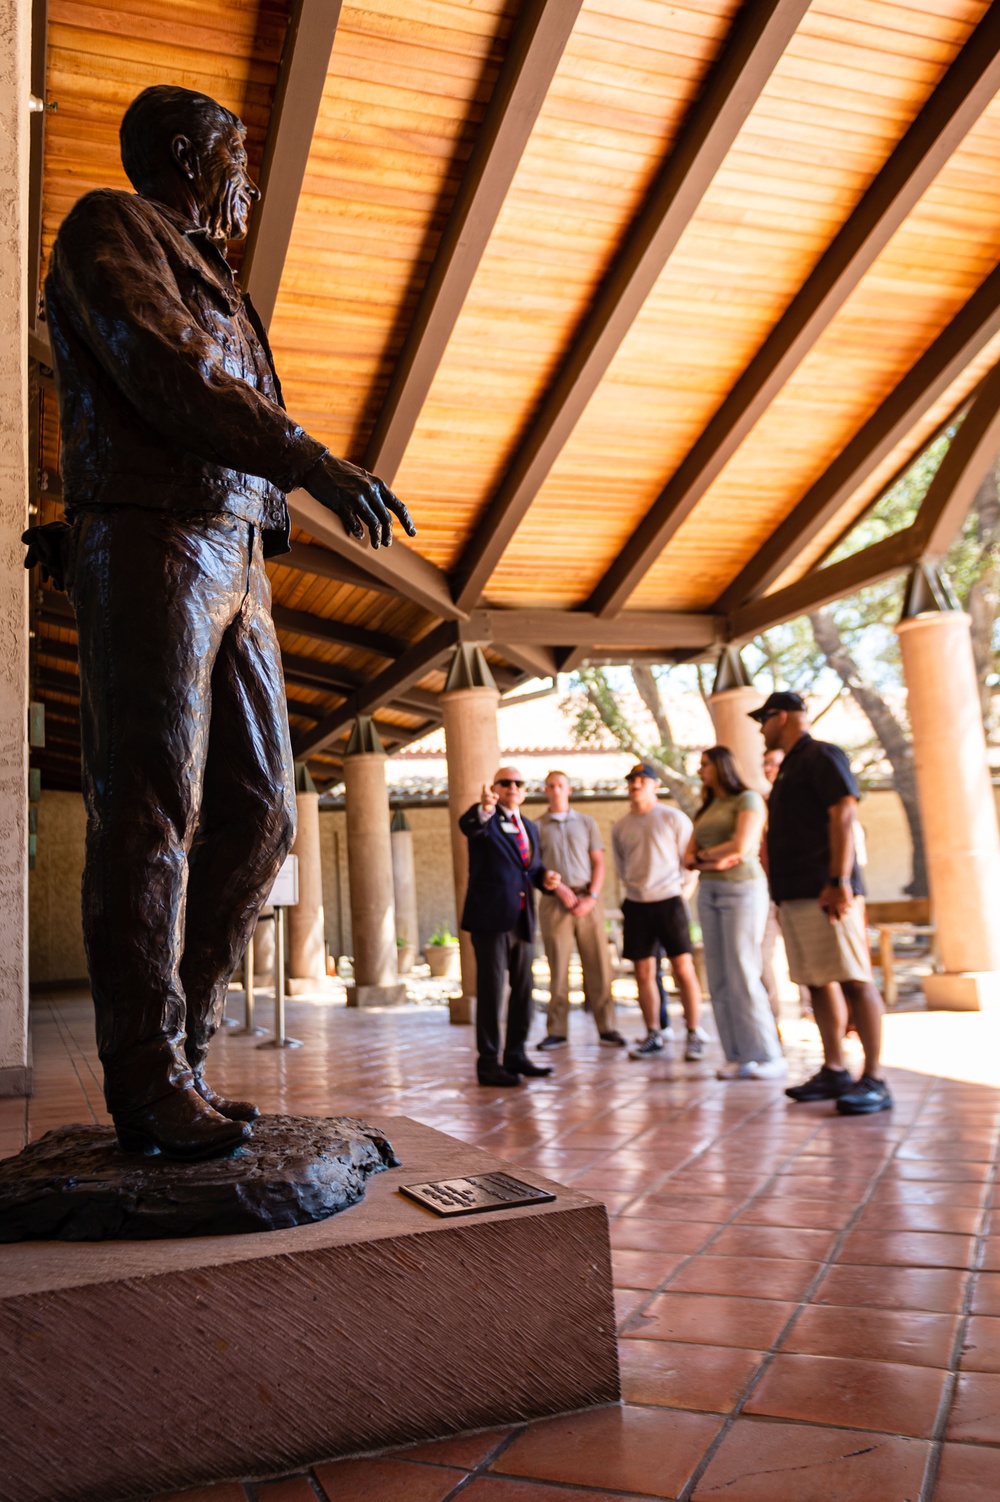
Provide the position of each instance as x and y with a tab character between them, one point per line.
781	700
642	769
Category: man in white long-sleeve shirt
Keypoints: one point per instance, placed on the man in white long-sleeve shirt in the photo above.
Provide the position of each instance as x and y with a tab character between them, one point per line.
648	845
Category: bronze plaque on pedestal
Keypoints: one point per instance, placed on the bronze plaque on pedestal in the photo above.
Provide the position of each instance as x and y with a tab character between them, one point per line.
483	1191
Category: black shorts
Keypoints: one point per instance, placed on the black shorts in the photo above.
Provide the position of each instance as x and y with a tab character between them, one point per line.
646	923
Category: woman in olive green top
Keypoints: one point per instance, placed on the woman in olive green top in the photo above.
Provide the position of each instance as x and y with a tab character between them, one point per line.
732	908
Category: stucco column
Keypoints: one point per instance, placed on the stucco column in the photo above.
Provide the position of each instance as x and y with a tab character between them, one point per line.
472	745
957	811
15	87
369	871
404	879
306	921
732	698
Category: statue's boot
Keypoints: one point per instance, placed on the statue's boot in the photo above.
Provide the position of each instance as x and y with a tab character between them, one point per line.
235	1110
179	1125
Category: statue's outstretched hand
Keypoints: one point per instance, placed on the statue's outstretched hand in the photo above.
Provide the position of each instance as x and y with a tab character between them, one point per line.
360	500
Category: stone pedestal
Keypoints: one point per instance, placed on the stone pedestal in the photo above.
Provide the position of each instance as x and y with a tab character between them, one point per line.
306	925
961	840
730	702
141	1368
472	745
15	1070
369	872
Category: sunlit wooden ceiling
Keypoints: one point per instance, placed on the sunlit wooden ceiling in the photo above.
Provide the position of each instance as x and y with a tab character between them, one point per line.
637	304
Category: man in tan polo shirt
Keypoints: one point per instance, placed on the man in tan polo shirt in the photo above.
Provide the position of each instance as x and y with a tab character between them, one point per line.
573	914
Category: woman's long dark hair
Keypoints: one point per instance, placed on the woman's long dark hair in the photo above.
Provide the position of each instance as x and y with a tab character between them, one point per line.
730	781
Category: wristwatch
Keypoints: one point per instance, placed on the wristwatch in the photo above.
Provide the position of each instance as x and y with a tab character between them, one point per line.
836	881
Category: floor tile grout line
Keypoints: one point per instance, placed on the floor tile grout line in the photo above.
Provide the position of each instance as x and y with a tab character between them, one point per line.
767	1359
958	1344
65	1039
724	1225
482	1468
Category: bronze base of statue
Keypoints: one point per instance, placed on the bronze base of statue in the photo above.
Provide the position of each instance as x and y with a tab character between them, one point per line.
76	1183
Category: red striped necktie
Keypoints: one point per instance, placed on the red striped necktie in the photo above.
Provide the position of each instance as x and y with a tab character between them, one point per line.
522	839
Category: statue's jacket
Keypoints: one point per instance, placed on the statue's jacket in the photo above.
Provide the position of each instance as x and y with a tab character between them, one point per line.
167	388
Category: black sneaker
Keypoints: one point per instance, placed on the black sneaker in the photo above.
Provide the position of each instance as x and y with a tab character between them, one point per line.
866	1097
613	1040
826	1084
552	1040
650	1048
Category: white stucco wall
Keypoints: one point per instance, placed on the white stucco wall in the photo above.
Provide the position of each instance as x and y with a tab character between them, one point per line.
14	123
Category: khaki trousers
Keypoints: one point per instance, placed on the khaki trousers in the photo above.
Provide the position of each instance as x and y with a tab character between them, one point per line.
560	929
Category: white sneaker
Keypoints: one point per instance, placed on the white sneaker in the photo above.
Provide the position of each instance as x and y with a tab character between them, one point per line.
765	1069
770	1069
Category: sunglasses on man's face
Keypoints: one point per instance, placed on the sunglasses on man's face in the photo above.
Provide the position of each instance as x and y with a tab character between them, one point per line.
509	782
769	716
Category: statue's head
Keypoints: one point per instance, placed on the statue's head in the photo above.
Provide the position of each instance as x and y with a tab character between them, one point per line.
181	147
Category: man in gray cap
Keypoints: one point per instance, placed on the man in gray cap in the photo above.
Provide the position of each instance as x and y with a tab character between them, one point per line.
815	881
649	845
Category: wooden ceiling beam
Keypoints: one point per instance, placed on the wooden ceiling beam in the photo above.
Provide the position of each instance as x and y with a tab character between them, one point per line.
342	634
889	556
533	54
400	569
385	689
306	558
943	510
965	465
641	629
749	54
305	60
953	108
923	385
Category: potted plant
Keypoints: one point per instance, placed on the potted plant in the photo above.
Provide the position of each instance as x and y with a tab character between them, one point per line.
442	952
406	953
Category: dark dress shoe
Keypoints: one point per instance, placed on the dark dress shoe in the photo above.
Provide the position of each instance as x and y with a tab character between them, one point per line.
235	1110
521	1064
493	1074
180	1125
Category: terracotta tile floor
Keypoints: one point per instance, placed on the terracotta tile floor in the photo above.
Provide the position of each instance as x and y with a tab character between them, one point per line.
810	1305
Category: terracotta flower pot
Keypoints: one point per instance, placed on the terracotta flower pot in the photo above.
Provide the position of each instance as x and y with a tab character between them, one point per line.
443	960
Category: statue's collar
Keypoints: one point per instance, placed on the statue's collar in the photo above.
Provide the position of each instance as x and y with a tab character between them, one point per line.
210	259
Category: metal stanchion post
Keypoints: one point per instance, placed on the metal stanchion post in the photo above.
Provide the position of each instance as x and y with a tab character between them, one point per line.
279	1040
248	1023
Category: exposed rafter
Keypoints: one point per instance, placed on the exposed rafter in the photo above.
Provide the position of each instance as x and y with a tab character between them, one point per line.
305	60
961	472
640	629
889	556
401	569
303	623
539	39
385	689
749	54
951	353
942	512
967	88
307	559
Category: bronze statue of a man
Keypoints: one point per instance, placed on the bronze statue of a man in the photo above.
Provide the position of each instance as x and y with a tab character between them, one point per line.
177	453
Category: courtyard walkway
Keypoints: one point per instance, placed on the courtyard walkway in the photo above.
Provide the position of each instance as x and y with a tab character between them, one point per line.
809	1305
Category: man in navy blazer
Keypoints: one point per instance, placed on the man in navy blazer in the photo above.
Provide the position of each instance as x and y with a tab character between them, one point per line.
499	913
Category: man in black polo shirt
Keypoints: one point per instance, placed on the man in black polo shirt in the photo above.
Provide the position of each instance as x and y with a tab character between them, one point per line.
815	880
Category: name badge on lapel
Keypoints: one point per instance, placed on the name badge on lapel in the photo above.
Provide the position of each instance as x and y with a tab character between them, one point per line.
508	826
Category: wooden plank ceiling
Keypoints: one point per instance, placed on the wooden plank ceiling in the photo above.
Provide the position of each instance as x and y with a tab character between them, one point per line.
637	303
